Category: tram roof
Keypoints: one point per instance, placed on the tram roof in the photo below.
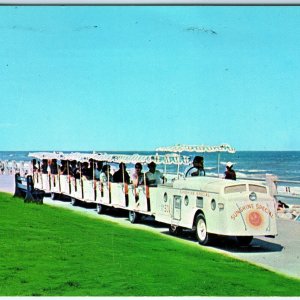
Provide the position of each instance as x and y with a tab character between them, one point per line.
197	148
172	158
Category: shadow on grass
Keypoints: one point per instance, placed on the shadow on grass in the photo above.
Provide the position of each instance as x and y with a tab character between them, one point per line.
230	244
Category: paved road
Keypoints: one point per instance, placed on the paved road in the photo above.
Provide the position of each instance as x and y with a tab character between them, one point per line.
280	254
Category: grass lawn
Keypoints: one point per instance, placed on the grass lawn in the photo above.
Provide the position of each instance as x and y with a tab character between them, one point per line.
48	251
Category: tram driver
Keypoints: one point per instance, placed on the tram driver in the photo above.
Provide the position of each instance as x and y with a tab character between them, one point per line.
197	169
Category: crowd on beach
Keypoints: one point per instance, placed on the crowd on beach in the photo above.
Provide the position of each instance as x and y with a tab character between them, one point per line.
11	167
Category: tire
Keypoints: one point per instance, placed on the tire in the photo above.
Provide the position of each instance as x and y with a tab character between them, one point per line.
244	241
175	230
73	201
133	216
202	235
100	208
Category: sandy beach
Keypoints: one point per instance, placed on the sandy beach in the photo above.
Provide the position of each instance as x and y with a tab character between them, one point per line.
280	254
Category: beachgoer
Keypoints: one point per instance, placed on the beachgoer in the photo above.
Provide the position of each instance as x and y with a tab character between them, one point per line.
197	169
153	176
137	176
121	175
230	173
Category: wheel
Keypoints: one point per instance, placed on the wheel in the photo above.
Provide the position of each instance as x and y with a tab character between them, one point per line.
133	216
175	230
244	240
100	208
201	230
73	201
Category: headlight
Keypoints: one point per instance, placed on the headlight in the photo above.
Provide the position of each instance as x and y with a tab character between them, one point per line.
252	196
221	205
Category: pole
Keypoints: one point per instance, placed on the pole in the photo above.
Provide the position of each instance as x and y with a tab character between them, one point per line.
218	164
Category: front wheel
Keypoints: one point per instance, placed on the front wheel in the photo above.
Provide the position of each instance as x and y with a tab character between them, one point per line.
201	230
133	216
244	241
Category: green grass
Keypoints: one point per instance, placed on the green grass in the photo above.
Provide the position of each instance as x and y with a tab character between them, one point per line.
49	251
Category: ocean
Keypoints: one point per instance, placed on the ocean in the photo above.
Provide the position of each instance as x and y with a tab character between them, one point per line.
253	164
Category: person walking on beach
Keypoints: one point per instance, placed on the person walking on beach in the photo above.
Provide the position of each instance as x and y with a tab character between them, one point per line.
230	173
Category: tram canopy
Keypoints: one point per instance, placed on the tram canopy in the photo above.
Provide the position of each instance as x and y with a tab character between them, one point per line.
168	159
47	155
197	148
144	159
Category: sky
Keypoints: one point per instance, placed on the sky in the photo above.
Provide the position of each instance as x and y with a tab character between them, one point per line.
95	78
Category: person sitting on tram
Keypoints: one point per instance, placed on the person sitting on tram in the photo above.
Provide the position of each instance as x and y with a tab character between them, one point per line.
105	174
230	173
197	169
44	166
86	171
137	176
64	167
98	169
74	169
54	167
91	169
121	175
34	166
153	176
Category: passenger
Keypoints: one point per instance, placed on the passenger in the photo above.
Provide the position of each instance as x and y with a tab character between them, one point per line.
105	174
98	169
138	175
86	171
121	175
63	168
34	166
197	169
54	167
91	169
44	166
74	169
153	176
230	173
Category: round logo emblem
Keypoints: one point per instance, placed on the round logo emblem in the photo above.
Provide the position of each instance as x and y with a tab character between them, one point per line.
255	218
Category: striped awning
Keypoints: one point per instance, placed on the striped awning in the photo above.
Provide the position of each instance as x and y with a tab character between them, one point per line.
47	155
197	148
168	159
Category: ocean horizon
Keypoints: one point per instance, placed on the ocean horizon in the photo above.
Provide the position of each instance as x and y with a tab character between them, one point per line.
256	164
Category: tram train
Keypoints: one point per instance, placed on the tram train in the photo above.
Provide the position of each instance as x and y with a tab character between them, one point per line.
209	206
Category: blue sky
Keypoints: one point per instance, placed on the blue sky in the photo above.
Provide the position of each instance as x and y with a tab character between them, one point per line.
140	77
